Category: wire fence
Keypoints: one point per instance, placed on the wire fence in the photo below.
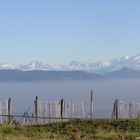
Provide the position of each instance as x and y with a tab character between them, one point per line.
31	120
46	112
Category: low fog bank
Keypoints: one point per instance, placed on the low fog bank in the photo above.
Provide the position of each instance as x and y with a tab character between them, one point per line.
105	93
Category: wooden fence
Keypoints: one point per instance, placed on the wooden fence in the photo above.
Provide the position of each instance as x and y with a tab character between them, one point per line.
5	111
57	109
125	110
46	112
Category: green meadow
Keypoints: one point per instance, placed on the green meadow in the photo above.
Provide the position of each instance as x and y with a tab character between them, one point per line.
98	129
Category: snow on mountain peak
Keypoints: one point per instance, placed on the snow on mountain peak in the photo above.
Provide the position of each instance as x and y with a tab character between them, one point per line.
137	58
8	66
102	66
115	64
126	57
105	64
36	65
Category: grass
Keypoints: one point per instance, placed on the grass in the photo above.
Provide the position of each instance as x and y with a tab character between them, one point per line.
98	129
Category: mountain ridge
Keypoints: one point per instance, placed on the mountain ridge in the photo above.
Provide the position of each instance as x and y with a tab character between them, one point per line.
43	75
124	73
40	75
100	67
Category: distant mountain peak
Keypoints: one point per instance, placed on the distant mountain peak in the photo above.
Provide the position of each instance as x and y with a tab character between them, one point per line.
126	69
36	65
137	58
126	57
35	62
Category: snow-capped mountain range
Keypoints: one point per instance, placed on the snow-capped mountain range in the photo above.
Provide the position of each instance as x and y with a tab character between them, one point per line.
98	67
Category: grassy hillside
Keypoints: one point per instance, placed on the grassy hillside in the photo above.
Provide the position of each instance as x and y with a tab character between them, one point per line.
75	130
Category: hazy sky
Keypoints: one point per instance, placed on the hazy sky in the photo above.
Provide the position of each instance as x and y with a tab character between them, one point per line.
58	31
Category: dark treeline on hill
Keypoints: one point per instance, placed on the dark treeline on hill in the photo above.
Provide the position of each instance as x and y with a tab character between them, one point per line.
124	73
39	75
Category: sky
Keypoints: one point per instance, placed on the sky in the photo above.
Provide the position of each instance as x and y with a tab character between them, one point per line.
59	31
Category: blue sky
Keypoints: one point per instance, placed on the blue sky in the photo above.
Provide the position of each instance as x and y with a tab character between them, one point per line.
58	31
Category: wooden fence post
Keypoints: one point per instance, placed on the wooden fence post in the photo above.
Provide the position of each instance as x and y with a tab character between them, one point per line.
91	104
83	110
117	109
9	110
115	112
130	111
36	109
62	108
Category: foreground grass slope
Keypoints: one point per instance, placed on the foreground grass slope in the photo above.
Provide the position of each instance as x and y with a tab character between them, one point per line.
99	129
